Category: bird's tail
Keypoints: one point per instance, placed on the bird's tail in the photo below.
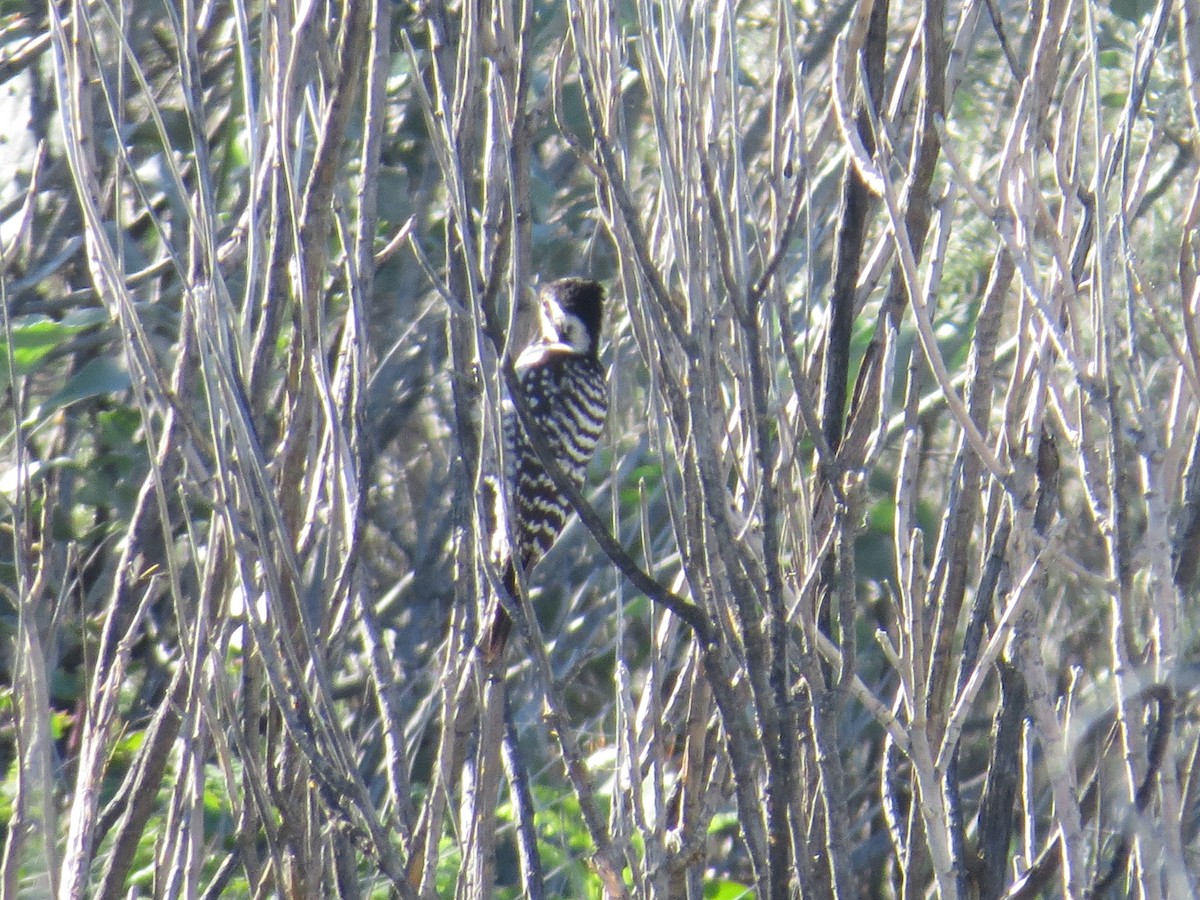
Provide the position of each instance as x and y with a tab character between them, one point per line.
501	625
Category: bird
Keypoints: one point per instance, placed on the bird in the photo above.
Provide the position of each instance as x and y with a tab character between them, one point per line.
565	386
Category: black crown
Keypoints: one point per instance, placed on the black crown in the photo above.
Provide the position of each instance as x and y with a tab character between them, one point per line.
583	299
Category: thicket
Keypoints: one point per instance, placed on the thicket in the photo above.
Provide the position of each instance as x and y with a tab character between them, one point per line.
885	583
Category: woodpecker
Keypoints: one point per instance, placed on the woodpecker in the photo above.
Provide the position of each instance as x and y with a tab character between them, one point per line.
564	384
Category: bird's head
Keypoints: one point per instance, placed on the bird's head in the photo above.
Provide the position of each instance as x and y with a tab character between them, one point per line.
571	311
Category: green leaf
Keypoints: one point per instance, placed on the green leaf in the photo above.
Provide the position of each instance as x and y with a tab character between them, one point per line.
60	724
1132	10
724	821
726	890
33	338
102	375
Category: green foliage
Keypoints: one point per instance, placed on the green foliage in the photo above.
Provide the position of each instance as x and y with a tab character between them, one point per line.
32	339
726	890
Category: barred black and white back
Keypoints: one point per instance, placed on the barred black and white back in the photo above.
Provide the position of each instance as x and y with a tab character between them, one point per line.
564	384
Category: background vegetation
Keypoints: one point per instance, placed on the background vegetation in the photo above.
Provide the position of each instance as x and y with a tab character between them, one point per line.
886	585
